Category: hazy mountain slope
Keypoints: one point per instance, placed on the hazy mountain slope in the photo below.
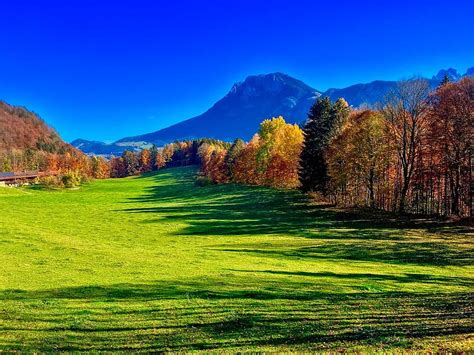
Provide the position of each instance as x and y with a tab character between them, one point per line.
376	92
101	148
359	94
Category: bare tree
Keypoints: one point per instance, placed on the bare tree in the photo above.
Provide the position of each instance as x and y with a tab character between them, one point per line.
405	111
451	134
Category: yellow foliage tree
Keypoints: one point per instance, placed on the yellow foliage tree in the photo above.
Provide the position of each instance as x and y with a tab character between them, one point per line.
278	153
358	158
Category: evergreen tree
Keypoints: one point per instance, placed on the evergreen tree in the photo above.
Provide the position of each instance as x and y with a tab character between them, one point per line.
153	157
232	154
313	169
445	80
324	121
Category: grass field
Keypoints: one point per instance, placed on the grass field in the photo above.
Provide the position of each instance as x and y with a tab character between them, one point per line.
157	263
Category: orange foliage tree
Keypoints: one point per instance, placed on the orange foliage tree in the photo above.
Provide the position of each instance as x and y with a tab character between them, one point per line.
145	161
213	163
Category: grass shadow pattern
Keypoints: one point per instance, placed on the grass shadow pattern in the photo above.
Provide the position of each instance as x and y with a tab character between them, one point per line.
264	270
202	316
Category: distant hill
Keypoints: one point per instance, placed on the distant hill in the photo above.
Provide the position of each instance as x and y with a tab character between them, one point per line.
238	114
101	148
375	92
21	129
363	94
27	143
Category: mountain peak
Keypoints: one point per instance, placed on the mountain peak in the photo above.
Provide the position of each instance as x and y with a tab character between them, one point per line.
239	113
270	83
469	72
450	72
276	76
257	97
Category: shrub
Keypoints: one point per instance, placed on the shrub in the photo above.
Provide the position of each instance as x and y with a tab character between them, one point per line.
71	179
51	182
203	181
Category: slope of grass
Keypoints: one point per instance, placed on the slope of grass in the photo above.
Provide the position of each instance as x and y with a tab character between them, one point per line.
156	263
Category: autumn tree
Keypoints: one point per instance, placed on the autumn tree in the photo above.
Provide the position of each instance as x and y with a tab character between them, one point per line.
159	161
213	162
233	153
167	152
340	112
358	158
117	167
145	160
406	113
280	145
131	163
245	169
451	136
100	168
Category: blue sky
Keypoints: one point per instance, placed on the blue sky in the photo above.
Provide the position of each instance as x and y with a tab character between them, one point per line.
108	69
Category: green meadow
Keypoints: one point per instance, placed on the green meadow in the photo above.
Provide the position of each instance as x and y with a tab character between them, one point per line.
156	263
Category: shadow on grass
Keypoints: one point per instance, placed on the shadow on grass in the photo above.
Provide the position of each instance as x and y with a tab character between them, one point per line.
403	252
212	315
404	278
232	210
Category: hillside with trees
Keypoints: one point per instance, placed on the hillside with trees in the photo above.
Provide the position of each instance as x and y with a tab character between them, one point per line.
23	129
27	143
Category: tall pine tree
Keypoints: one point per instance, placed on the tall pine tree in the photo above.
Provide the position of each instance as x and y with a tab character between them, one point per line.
445	80
323	119
153	156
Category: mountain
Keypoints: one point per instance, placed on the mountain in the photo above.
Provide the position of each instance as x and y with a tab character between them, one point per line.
239	113
451	73
22	130
363	94
101	148
374	93
469	72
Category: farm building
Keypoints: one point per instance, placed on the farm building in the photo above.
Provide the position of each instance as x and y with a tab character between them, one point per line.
10	178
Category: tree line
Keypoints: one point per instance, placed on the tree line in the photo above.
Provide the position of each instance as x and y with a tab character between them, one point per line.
181	153
412	155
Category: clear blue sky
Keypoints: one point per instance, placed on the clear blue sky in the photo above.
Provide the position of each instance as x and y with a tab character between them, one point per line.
108	69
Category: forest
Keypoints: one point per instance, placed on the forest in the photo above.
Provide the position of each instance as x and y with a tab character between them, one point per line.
411	155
